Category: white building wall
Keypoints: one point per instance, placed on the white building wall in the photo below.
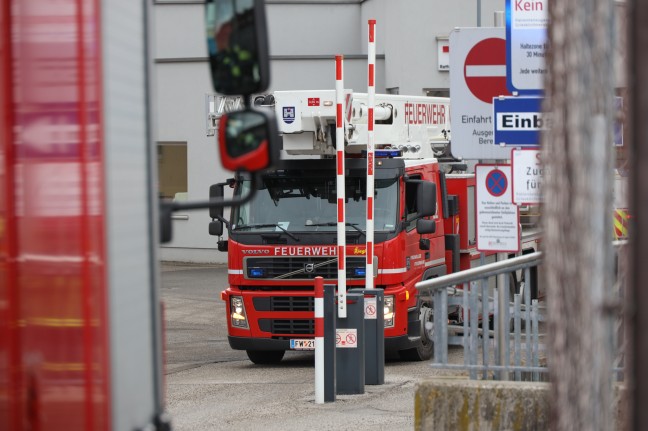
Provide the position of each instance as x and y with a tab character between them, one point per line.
304	36
410	38
300	28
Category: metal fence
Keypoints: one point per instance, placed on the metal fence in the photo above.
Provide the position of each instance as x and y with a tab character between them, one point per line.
501	331
492	311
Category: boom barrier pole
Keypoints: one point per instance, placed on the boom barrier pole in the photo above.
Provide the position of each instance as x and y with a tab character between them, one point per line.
340	185
371	101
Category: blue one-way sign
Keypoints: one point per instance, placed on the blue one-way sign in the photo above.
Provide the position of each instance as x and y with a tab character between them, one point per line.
518	121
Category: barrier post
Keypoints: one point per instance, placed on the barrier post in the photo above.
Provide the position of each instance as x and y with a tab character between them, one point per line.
329	343
319	340
350	358
374	325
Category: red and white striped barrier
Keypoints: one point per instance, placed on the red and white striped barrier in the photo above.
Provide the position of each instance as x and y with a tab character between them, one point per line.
340	187
319	340
371	101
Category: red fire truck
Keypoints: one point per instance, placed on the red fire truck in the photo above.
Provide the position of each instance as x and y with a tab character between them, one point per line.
286	236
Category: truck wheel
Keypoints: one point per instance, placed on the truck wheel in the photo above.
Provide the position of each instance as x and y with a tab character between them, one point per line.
265	357
423	351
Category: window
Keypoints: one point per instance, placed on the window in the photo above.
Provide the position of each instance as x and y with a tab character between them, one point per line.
411	209
437	92
300	203
172	170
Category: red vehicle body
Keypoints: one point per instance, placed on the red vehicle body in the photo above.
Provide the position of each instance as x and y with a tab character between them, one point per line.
271	272
286	236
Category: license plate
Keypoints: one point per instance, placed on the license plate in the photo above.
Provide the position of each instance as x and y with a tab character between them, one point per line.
302	344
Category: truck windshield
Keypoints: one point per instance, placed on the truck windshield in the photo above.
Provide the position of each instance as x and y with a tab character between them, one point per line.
308	204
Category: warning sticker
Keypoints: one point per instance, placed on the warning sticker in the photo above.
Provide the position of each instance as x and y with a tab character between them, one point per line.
346	338
371	308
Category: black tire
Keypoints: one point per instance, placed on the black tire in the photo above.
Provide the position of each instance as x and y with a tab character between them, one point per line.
425	348
265	357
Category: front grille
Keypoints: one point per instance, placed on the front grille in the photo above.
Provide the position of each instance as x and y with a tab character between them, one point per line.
285	303
288	326
300	268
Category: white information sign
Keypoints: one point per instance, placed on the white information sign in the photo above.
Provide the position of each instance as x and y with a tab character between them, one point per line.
477	75
526	34
346	338
527	176
497	217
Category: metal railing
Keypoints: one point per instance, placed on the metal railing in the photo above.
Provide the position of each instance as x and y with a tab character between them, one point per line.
501	338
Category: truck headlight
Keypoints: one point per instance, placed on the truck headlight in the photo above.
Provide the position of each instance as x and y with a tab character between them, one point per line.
389	311
237	312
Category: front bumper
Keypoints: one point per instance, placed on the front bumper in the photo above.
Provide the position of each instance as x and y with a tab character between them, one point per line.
392	344
248	343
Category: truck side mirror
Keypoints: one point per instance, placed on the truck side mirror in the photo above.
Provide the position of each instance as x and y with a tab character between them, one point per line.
426	199
216	192
425	226
216	228
238	46
248	140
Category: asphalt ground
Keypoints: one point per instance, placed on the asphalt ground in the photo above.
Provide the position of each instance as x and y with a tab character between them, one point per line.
212	387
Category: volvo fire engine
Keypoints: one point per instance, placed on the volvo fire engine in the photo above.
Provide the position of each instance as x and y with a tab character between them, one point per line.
286	236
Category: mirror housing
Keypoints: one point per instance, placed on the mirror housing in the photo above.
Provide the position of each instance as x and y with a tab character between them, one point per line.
216	228
425	226
237	45
216	192
426	199
247	140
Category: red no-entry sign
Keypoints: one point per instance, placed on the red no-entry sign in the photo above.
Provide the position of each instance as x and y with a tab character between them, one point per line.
477	75
485	69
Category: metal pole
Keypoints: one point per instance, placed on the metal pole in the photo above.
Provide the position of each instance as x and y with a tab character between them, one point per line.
502	306
484	271
340	187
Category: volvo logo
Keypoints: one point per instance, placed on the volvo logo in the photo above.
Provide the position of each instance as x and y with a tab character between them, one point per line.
309	268
256	251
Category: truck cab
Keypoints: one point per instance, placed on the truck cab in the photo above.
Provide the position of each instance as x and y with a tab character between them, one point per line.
286	236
